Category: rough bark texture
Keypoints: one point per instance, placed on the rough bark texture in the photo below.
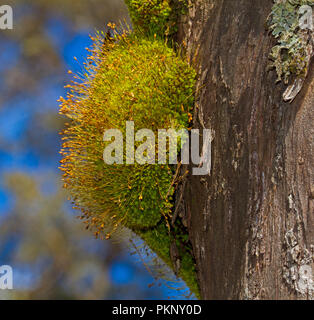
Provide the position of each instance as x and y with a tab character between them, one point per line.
251	220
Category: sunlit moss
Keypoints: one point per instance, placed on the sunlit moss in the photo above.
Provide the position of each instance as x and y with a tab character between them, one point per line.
156	16
128	78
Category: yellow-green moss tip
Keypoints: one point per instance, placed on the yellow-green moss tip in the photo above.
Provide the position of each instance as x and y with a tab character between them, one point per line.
156	16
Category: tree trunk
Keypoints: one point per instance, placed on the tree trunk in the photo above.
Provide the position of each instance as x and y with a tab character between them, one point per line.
250	220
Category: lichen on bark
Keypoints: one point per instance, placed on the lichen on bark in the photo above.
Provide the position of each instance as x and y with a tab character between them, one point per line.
294	49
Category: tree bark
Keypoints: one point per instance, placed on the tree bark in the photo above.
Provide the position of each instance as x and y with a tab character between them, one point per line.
251	220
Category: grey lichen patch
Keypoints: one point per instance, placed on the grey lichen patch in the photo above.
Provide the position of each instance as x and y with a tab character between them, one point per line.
292	54
297	271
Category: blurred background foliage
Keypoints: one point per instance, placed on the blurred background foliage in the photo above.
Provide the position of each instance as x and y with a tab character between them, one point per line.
52	254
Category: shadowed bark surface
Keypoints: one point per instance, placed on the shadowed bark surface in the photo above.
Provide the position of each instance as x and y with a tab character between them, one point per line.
251	220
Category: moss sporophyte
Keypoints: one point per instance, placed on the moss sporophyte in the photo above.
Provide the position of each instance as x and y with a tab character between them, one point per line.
128	77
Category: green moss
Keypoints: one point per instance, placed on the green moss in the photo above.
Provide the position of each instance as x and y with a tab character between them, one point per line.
128	78
290	55
131	77
159	242
156	16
